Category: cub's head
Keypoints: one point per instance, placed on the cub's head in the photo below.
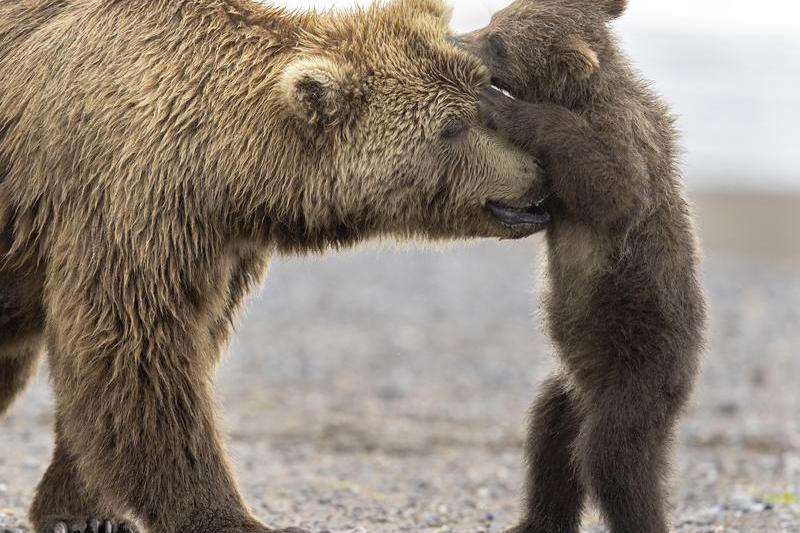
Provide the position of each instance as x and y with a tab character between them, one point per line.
384	111
546	49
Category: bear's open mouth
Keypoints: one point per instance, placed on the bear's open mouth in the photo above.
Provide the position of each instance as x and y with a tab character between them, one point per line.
534	217
504	88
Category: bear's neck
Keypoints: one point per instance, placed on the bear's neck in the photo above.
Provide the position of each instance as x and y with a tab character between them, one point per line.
235	148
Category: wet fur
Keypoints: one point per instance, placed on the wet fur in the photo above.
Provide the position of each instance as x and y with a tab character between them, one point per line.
153	155
623	302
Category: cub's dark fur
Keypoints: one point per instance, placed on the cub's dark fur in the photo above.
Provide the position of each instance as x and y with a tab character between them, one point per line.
623	302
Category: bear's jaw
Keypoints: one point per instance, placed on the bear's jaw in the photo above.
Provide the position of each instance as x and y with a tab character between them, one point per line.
527	220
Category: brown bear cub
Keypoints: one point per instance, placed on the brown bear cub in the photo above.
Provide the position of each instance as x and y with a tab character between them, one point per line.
624	305
153	155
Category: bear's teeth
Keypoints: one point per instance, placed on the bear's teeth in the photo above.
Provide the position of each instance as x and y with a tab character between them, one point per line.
506	93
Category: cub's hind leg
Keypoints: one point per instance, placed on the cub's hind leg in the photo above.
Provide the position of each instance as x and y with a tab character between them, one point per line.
623	447
554	493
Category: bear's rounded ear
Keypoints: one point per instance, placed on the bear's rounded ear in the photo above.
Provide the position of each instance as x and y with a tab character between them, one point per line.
438	10
320	91
578	57
615	8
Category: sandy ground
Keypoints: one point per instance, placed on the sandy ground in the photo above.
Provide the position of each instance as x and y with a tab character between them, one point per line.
385	391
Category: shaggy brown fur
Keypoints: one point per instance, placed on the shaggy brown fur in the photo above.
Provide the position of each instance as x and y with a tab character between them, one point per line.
153	154
624	305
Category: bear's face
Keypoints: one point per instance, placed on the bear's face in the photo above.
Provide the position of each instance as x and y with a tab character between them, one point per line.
543	50
390	110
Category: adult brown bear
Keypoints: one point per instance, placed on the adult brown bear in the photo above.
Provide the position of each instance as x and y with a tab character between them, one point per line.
153	154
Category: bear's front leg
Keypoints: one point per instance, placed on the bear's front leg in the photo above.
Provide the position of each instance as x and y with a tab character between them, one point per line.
63	503
132	377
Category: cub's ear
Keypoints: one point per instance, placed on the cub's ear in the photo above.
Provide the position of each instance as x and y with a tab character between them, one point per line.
320	91
437	10
578	57
615	8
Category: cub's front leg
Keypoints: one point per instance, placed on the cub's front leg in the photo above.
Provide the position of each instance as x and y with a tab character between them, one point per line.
598	178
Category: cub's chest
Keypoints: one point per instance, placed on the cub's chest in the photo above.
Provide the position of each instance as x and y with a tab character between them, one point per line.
575	252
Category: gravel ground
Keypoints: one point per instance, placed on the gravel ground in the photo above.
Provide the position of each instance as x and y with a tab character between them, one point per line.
385	391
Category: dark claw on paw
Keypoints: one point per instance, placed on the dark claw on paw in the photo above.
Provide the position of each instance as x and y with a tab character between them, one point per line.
92	526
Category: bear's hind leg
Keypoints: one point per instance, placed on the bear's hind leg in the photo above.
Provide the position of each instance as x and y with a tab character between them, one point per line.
554	494
21	345
63	503
17	365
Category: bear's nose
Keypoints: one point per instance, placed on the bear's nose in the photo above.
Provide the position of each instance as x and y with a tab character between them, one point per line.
542	185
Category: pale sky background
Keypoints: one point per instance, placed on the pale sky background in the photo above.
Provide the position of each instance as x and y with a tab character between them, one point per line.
730	68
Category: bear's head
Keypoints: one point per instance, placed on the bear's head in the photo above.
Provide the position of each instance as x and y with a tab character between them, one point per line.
384	112
547	50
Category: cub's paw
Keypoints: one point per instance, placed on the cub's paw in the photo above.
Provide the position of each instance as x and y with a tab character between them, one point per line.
93	525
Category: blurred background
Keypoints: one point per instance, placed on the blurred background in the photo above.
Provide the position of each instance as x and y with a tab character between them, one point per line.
385	389
730	69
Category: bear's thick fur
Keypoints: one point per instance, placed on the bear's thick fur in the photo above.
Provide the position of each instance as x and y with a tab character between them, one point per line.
153	154
624	305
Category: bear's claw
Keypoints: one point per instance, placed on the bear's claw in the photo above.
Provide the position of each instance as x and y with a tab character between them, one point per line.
90	526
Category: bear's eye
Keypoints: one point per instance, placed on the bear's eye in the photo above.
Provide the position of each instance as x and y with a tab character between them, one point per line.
454	128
